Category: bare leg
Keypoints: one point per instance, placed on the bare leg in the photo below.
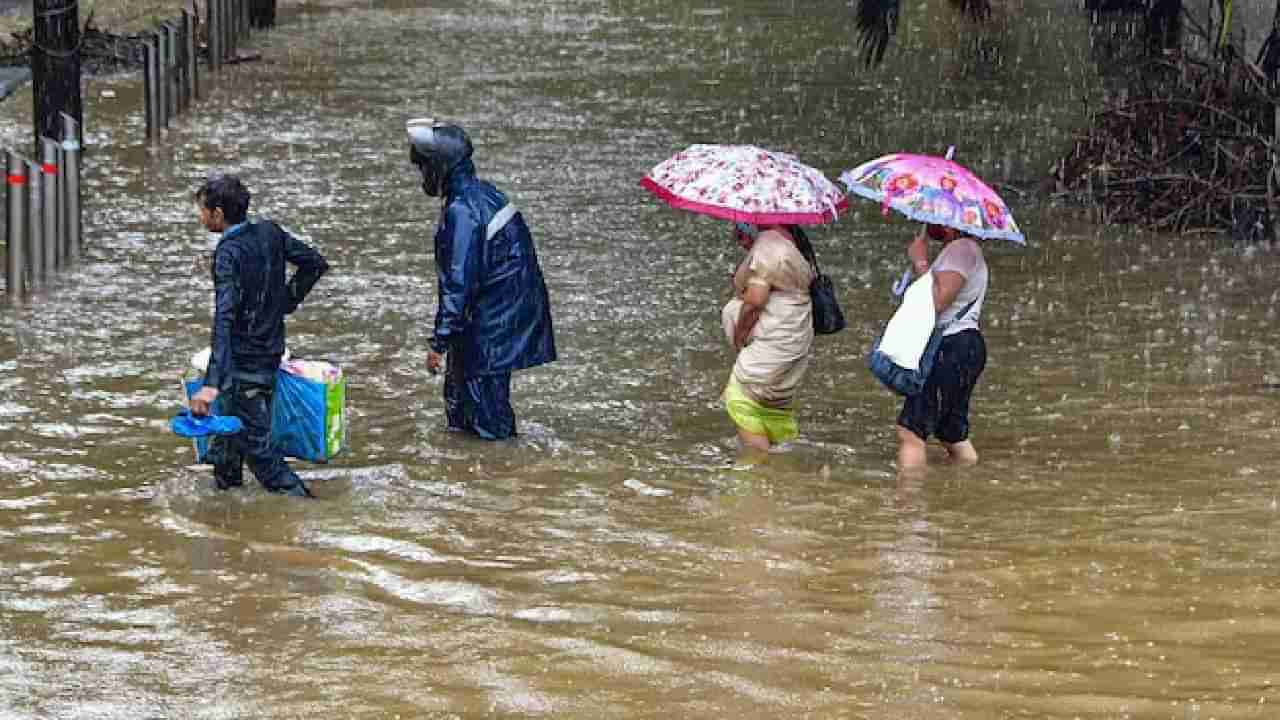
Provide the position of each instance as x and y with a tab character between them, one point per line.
961	453
911	450
752	441
752	449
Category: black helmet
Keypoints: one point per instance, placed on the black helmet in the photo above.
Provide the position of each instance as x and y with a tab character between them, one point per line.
436	150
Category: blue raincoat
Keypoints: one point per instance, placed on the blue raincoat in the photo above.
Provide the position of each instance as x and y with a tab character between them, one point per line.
493	309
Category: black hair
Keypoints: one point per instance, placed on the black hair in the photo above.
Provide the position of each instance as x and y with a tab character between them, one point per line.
802	242
228	193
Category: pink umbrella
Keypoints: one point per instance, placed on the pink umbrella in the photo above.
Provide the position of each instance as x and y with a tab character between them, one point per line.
934	190
745	183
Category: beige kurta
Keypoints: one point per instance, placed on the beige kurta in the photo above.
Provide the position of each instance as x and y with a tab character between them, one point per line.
773	363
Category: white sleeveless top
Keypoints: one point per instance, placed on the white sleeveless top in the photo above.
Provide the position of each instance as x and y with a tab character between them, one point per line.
964	256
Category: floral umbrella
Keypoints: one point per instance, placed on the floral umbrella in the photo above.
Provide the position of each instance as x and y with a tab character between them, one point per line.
745	183
934	190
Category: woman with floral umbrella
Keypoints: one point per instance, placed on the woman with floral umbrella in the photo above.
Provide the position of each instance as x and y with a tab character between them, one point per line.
769	321
959	211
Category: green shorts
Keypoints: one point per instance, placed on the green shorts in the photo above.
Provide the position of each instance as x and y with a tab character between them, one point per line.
779	425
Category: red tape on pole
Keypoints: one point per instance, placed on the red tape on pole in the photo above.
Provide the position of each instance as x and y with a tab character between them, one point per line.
49	169
17	179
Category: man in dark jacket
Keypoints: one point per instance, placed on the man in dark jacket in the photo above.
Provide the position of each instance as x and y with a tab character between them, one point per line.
493	315
251	298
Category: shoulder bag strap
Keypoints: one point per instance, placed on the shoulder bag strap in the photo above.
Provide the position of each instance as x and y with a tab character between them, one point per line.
962	313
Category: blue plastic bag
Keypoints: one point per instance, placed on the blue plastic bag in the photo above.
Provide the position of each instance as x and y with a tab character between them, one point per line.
187	425
298	416
307	417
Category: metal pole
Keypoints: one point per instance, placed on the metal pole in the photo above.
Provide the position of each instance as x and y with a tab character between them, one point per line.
191	87
71	184
228	31
211	35
40	198
38	250
149	89
180	65
224	32
49	166
173	82
64	237
222	29
162	79
16	229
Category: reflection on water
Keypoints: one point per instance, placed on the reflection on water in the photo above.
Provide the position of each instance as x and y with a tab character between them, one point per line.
1111	558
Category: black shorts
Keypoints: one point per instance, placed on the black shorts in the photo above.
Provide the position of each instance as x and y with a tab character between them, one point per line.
942	408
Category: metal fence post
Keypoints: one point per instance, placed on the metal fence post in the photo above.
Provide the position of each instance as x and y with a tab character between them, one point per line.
64	238
191	86
49	193
233	39
171	80
37	249
162	78
211	31
16	229
149	89
71	184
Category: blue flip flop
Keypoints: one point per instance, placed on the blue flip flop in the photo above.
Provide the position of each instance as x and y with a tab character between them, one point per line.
194	426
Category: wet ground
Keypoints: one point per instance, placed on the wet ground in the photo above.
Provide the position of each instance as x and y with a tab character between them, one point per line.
1112	557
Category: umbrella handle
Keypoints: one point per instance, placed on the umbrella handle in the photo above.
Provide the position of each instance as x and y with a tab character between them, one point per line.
902	283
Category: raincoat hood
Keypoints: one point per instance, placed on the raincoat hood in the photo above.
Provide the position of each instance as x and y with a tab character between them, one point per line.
437	150
461	175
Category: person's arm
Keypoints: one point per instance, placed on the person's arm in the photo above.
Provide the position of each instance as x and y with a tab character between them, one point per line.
310	265
754	299
958	260
947	285
458	276
226	301
918	252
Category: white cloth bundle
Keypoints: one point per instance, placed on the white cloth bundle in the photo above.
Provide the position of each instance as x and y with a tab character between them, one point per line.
908	331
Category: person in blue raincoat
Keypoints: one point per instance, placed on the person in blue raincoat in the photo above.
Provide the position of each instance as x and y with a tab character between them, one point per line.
252	295
493	314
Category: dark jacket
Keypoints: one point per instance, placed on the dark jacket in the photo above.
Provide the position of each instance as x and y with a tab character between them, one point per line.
492	300
252	296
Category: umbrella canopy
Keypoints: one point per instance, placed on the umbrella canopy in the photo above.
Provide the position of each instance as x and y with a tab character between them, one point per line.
745	183
934	190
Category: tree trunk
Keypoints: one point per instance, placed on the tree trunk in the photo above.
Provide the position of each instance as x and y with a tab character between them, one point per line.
55	67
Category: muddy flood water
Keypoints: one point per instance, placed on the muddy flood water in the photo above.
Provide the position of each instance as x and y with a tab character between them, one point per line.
1114	555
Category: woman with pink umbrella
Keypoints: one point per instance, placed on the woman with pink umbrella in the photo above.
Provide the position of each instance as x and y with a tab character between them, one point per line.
960	280
769	322
959	211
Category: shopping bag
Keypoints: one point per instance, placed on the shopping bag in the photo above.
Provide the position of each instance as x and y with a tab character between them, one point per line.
308	414
904	354
308	411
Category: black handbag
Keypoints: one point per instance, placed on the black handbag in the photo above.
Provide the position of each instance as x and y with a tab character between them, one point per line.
827	316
